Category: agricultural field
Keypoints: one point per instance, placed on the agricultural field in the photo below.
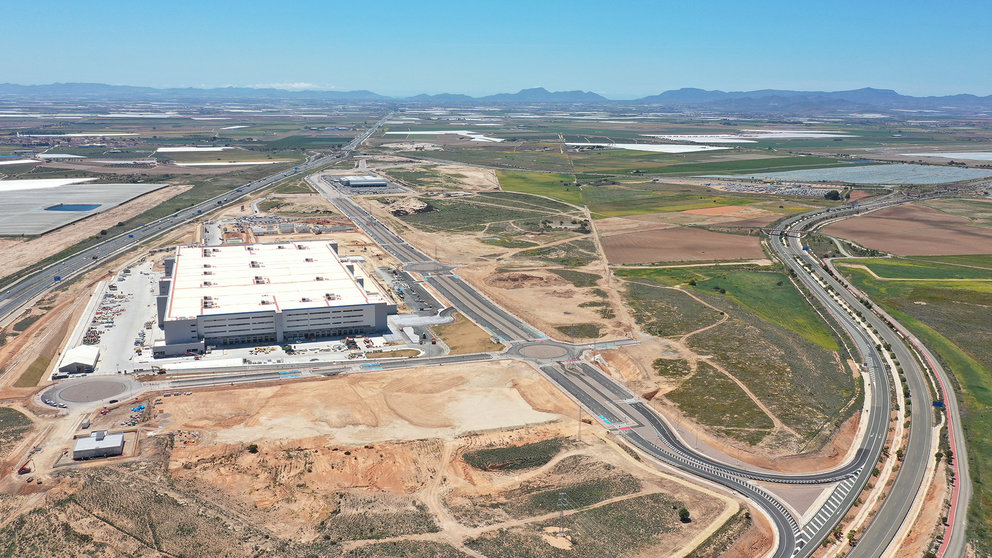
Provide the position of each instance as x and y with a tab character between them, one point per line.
951	318
945	227
558	186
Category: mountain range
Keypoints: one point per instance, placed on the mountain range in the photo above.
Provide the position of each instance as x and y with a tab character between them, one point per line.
780	101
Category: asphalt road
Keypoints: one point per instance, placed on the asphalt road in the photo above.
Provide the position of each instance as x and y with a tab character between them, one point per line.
13	297
630	417
909	482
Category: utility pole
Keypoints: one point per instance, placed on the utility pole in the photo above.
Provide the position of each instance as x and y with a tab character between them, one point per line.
580	424
562	502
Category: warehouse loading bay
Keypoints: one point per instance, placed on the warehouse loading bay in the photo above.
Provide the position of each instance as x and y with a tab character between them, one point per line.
120	320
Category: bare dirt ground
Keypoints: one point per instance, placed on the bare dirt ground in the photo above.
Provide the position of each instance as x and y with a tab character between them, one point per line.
915	230
928	524
299	204
524	292
678	244
410	404
345	476
20	254
529	293
860	195
462	336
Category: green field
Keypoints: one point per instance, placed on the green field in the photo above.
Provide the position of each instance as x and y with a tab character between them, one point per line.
772	341
622	202
558	186
725	403
769	294
928	267
952	319
665	312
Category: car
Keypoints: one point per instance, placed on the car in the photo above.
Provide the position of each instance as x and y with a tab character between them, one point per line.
112	401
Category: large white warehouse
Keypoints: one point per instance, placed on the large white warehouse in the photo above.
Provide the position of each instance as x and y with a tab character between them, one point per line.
265	293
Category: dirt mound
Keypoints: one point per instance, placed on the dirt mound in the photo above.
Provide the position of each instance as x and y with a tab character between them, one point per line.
408	206
521	280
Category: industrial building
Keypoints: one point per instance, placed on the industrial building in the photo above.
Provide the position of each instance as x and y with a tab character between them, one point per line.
264	293
80	359
364	181
98	444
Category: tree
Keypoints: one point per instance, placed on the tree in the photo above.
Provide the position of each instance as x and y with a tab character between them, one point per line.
252	448
684	515
832	195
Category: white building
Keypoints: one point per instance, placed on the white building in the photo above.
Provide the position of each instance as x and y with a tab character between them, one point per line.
80	359
98	444
265	293
364	181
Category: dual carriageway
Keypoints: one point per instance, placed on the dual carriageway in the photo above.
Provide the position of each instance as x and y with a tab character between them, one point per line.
617	408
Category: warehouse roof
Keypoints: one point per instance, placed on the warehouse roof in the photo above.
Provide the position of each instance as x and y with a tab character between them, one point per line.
362	178
265	278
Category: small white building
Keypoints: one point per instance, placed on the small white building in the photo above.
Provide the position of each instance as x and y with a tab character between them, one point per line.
80	359
98	444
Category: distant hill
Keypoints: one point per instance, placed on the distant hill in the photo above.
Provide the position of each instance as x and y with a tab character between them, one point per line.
764	101
103	92
784	101
540	95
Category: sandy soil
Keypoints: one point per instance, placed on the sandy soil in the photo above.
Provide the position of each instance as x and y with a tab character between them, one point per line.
462	336
915	230
917	542
471	178
411	404
678	244
756	541
722	210
20	254
541	298
297	204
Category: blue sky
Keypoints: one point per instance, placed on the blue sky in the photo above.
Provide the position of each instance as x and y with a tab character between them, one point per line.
617	48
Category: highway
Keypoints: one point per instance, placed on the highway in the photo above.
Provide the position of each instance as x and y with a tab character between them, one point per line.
14	296
613	404
895	510
470	301
629	416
